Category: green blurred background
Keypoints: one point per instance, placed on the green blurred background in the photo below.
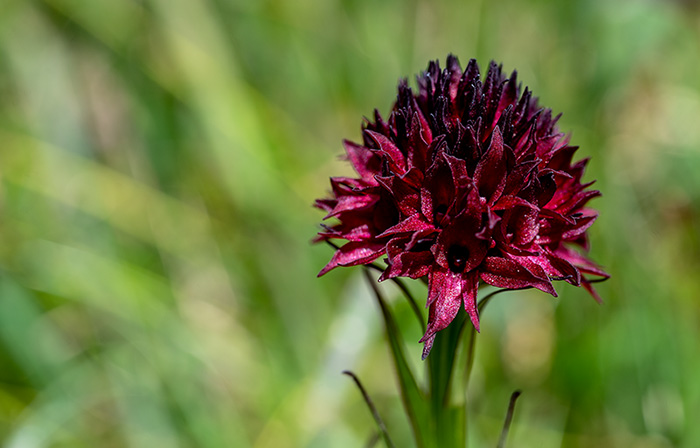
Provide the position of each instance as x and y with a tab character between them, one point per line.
159	159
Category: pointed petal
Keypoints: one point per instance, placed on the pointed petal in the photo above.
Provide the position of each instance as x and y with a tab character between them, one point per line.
354	253
353	202
508	201
469	293
553	231
446	291
413	223
581	262
409	264
419	138
577	201
504	273
561	267
406	196
428	345
438	191
347	232
549	265
518	175
365	161
490	174
582	224
396	158
325	204
527	225
458	168
591	290
551	214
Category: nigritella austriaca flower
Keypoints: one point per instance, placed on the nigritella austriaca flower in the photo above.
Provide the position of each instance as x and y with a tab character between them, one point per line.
467	181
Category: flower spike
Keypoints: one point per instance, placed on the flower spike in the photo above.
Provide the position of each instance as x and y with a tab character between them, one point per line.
469	180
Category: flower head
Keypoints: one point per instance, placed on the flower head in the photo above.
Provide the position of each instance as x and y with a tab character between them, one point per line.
467	181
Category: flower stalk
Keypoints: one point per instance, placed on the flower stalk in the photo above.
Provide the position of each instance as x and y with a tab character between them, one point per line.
448	418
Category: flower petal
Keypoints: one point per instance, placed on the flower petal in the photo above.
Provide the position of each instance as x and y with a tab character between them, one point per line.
348	202
504	273
365	161
508	201
591	290
580	261
390	150
490	174
413	223
354	253
408	264
438	191
406	196
469	294
447	290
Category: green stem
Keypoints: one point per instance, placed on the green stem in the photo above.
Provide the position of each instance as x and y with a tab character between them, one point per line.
471	347
447	418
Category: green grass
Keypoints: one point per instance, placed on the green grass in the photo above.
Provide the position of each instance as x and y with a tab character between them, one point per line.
159	159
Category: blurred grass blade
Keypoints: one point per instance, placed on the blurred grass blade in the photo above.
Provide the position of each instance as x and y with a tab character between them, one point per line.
509	419
372	408
372	441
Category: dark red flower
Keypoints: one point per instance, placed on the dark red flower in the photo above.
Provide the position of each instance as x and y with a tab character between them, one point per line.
467	181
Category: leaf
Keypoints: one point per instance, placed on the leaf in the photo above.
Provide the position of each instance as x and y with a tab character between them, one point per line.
413	399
